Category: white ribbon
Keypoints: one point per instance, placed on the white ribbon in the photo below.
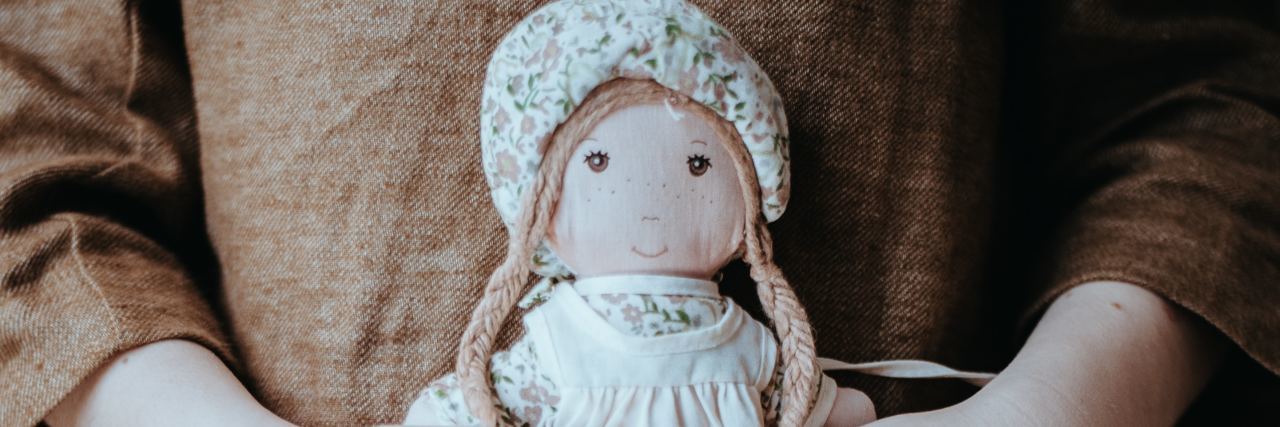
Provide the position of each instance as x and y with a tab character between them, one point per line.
906	369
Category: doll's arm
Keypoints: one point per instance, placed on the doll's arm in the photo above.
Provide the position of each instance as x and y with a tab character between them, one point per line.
1105	353
849	408
524	391
771	397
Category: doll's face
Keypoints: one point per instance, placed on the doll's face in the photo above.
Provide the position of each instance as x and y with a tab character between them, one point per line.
651	190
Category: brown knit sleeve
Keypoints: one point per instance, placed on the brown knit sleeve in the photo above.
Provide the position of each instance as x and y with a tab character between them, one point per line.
99	207
1155	150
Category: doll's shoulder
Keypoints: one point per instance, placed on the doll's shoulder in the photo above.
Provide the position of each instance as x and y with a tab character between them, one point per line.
539	293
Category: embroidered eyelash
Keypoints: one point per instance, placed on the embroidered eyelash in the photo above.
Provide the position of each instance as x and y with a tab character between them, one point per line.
597	160
698	164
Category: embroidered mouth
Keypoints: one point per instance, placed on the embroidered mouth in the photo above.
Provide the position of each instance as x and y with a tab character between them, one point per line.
653	255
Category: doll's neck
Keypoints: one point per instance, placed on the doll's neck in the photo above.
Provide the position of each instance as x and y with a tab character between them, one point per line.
646	284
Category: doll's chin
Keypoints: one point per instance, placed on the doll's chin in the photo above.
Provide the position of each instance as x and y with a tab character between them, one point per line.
659	260
661	266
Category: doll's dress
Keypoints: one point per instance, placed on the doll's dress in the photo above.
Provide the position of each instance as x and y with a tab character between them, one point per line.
628	350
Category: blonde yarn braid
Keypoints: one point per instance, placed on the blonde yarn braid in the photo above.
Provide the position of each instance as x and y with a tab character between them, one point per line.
537	208
779	301
800	376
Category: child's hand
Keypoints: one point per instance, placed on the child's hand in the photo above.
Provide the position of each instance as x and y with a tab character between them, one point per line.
1105	353
165	383
852	408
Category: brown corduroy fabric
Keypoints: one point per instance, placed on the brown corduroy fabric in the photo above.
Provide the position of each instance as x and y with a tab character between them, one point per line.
326	228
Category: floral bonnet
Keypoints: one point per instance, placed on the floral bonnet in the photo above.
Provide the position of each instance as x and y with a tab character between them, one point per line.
554	57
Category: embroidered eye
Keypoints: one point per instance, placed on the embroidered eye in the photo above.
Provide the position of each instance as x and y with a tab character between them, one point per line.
698	164
597	161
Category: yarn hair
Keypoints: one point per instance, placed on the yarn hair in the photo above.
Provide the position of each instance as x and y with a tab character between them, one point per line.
537	208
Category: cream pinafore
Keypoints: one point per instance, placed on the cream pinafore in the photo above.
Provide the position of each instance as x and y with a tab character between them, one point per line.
712	376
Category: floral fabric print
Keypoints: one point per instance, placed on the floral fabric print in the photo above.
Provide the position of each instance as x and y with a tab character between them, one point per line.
528	396
656	315
548	63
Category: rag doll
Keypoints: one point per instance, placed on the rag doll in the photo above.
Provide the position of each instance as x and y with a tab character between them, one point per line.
632	149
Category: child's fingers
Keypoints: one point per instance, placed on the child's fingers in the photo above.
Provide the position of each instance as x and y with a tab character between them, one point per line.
852	408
